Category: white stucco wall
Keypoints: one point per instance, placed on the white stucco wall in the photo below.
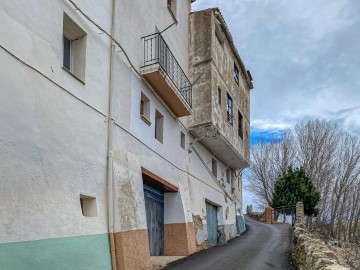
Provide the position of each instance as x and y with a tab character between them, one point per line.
54	130
52	145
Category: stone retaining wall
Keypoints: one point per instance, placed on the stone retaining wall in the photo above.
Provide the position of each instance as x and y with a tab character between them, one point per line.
259	216
309	252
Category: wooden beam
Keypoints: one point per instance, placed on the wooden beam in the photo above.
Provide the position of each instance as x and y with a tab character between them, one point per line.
158	181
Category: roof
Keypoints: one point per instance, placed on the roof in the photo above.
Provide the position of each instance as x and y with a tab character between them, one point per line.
228	35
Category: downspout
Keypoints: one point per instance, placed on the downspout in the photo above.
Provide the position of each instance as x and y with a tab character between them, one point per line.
109	150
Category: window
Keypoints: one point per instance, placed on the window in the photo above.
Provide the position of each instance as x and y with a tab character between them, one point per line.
67	53
232	180
236	73
240	125
228	176
171	4
214	167
145	109
74	48
219	95
159	126
88	206
182	140
229	110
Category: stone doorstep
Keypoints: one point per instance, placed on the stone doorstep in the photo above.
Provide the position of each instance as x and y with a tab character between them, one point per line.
159	262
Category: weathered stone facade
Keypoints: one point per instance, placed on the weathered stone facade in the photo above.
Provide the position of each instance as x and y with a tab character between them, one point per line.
213	58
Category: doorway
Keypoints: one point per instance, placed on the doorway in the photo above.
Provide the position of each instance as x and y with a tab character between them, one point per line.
154	206
211	223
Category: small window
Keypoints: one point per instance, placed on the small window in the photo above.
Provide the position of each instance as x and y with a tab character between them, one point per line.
88	206
240	125
228	176
171	4
214	167
159	126
229	109
236	73
182	140
219	95
145	109
74	48
67	53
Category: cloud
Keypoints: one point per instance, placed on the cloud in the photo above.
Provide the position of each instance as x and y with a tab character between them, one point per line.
304	57
305	60
269	125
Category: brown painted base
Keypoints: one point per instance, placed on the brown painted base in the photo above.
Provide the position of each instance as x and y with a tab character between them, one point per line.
132	250
179	239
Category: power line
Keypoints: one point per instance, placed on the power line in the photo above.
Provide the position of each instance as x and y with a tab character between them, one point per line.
106	33
101	113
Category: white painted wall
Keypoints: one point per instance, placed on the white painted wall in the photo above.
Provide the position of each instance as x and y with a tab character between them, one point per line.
52	145
53	135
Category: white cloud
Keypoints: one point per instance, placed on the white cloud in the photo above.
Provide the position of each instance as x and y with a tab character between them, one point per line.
269	125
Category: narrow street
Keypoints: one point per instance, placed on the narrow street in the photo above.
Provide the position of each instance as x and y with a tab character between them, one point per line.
262	246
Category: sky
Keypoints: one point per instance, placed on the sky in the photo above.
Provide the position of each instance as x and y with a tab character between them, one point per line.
304	57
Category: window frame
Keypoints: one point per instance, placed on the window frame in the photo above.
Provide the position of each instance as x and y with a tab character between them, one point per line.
228	175
219	95
70	53
236	73
159	126
77	37
229	109
145	112
214	168
240	125
182	140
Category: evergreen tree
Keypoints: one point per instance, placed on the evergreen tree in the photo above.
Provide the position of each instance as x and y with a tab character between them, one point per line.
294	186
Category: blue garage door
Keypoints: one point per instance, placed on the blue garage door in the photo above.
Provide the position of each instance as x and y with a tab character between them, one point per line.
154	204
211	221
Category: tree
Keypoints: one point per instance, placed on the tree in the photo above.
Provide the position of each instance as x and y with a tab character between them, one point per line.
295	186
269	159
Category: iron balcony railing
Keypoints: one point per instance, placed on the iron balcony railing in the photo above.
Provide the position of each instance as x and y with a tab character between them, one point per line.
156	51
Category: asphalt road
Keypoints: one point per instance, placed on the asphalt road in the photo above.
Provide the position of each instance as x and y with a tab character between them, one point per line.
262	246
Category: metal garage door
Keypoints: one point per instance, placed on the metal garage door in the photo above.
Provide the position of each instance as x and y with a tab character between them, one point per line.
211	221
154	204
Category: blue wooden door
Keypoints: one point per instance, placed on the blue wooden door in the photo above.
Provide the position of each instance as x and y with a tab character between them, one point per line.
154	205
211	222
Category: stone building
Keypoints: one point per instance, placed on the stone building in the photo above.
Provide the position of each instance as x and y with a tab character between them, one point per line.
221	116
107	155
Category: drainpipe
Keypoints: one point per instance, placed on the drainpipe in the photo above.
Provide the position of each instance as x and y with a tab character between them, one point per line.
109	150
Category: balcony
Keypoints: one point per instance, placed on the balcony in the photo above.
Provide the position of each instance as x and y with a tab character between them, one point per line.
166	77
234	153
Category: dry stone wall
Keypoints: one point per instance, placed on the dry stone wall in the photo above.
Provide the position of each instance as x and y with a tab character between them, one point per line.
259	216
310	252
